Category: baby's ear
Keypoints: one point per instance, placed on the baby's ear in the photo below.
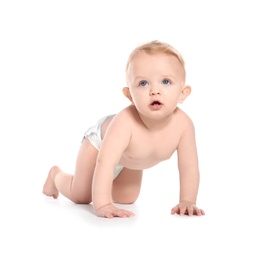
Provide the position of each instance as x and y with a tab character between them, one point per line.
127	93
184	93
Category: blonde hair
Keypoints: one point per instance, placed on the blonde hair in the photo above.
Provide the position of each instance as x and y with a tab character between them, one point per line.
157	47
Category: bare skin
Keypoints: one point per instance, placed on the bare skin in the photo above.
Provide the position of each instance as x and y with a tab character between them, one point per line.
140	136
77	187
49	188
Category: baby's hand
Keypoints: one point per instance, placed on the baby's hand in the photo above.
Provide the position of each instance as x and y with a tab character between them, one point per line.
187	208
110	211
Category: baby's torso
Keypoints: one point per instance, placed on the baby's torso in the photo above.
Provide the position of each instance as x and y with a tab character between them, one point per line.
148	148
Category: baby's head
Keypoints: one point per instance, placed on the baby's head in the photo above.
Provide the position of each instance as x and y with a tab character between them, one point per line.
156	70
154	48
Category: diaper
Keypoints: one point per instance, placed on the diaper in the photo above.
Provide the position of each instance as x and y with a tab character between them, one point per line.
93	134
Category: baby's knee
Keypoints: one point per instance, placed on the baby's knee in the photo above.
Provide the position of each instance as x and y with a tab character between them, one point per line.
125	199
82	200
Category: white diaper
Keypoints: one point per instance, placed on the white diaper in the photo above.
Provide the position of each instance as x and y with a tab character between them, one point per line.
93	134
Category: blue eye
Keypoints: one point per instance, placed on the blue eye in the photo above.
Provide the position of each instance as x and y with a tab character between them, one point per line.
166	82
143	83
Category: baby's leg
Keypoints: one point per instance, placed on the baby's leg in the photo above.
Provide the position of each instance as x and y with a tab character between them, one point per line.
77	187
126	187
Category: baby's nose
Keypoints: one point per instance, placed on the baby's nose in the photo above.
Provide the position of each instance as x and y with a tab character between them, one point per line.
154	91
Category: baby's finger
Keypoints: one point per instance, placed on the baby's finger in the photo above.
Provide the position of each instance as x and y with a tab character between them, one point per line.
197	212
200	212
123	213
108	215
190	210
183	210
175	210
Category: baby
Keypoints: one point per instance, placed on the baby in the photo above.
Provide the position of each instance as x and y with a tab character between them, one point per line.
115	151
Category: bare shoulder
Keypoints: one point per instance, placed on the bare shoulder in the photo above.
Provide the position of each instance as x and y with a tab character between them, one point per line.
123	120
118	128
126	116
184	120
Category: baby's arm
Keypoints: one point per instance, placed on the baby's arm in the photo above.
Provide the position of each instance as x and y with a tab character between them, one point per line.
189	172
115	141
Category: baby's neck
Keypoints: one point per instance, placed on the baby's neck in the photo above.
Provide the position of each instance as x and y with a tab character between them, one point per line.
154	125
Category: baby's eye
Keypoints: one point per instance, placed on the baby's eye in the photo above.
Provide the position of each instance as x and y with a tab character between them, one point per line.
143	83
166	82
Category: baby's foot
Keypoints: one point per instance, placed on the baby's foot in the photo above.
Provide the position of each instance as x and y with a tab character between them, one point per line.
49	188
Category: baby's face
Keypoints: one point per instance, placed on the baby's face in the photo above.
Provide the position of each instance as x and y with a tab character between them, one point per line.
155	83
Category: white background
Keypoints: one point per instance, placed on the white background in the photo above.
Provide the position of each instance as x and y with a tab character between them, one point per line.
62	67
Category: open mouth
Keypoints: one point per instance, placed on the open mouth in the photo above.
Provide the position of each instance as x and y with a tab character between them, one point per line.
156	105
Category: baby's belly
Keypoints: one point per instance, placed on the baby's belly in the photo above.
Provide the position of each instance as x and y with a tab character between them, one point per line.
137	165
140	163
